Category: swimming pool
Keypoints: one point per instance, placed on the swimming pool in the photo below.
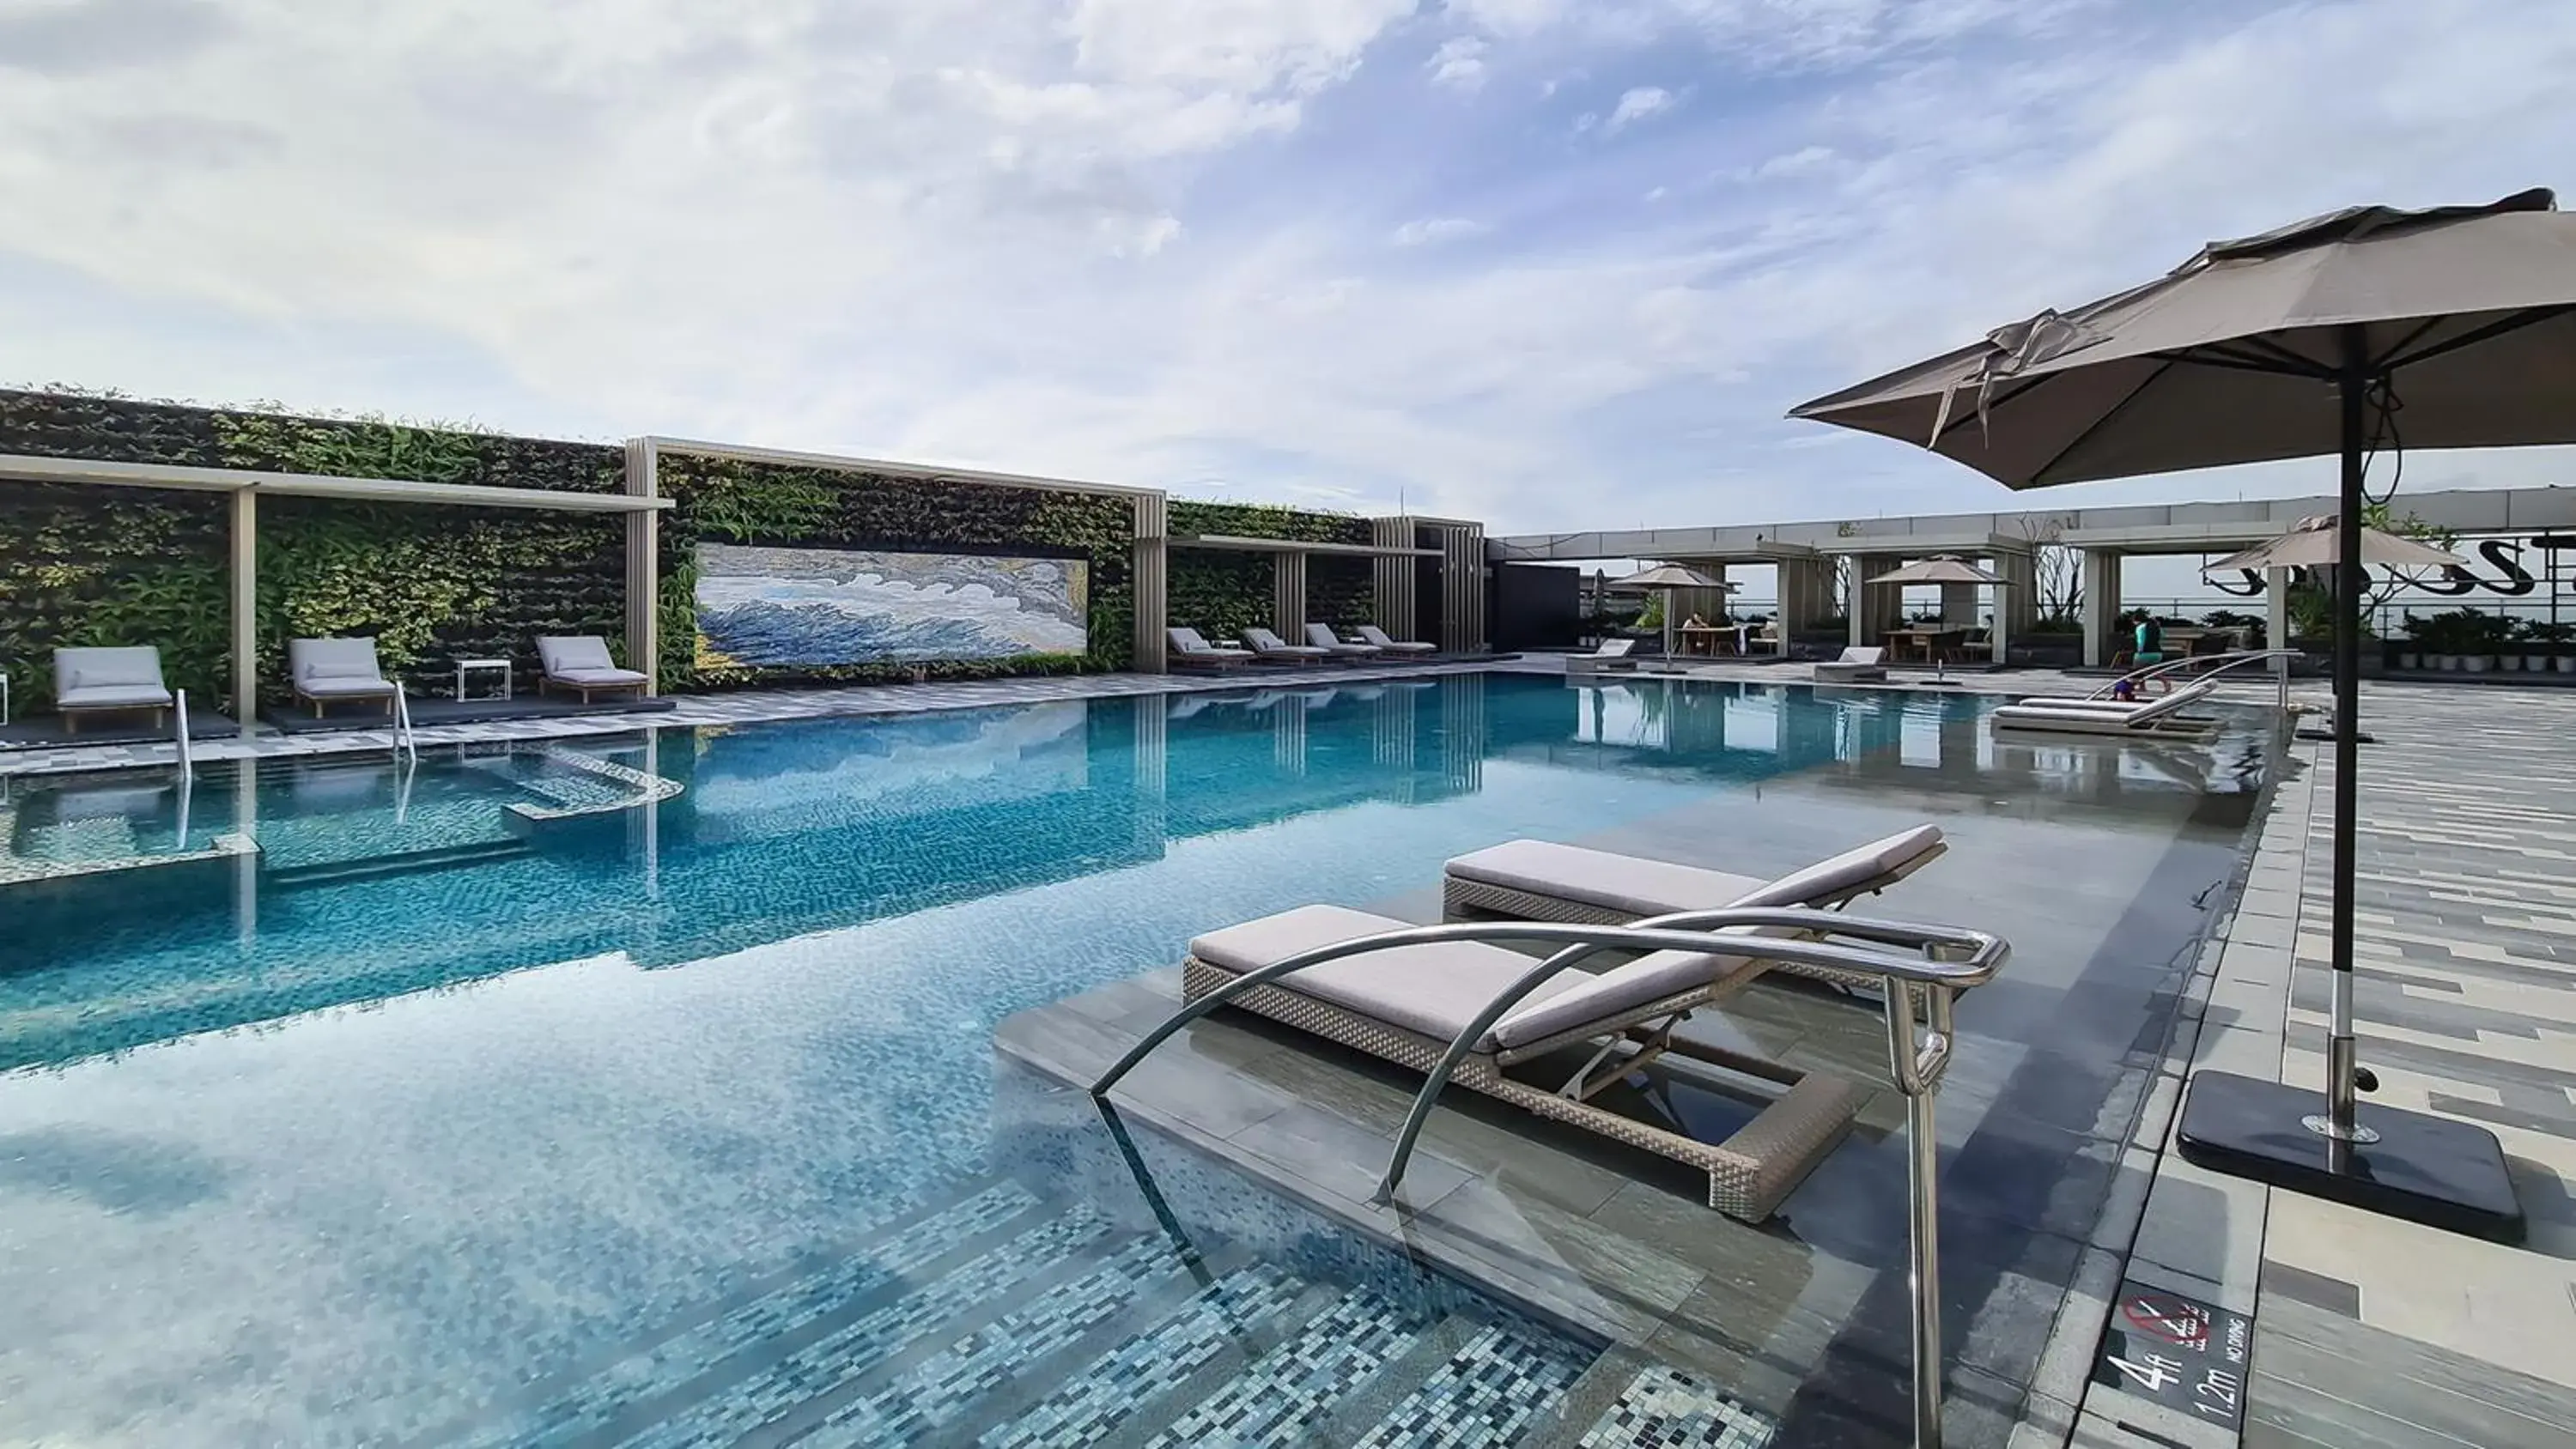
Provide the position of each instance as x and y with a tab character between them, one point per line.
501	1101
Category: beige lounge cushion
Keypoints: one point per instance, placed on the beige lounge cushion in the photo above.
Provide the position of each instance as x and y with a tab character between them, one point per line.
1434	990
1828	880
325	687
131	667
1636	886
1648	979
113	696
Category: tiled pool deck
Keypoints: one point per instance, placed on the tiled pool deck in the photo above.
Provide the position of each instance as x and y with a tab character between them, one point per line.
2368	1332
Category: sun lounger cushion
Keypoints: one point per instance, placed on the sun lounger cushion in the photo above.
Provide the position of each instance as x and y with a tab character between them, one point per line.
109	677
1372	634
1265	642
336	668
1437	990
1190	642
1637	886
1434	990
1598	877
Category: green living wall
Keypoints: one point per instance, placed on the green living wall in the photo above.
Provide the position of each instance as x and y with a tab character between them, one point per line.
1219	593
85	565
729	501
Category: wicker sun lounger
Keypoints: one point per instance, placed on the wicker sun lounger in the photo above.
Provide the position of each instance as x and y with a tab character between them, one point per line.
2160	716
1271	649
1191	650
1407	1004
1321	636
1859	661
1372	634
1540	880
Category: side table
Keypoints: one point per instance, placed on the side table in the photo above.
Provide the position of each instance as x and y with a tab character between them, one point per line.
487	666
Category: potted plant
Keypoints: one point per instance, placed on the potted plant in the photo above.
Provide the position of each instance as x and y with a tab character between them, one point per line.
2487	636
2551	641
2419	635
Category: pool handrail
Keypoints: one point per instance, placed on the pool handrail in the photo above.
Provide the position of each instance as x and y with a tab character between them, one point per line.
1915	1066
2231	660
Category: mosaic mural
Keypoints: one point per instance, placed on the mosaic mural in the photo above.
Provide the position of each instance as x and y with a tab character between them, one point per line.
809	607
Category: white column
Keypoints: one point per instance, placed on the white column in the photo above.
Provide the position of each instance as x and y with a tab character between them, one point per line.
2101	606
2276	614
245	607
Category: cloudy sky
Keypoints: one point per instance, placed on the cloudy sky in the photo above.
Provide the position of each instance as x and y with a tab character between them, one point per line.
1549	263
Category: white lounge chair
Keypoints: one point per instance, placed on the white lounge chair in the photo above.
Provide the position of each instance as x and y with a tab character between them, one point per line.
1540	880
325	672
1372	634
1407	1004
1611	655
98	679
2196	689
581	664
1857	662
1322	637
1191	650
2159	716
1271	649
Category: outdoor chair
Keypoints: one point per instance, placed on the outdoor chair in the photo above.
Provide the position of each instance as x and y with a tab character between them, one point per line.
2159	716
1611	656
1372	634
1269	648
581	664
1407	1004
1321	636
336	671
1191	650
1540	880
109	680
1858	662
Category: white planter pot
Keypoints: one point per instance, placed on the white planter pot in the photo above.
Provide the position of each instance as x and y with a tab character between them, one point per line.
2509	663
2447	663
2477	663
2410	661
2567	663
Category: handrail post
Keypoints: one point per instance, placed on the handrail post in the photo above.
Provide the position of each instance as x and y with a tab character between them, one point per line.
187	755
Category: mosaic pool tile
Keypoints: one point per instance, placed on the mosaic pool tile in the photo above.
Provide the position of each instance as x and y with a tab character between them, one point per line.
1282	1398
1131	1377
1485	1395
1665	1409
678	1360
945	1388
819	1366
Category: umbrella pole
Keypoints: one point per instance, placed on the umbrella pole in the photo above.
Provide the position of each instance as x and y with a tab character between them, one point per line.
2342	1064
2413	1165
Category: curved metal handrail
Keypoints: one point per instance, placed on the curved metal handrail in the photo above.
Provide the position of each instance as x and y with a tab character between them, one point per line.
1584	941
2225	662
1916	1066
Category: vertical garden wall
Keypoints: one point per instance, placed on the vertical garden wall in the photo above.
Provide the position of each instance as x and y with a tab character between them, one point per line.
1219	593
82	564
86	565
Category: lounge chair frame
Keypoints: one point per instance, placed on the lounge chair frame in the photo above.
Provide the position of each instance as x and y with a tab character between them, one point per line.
1748	1173
1940	960
1462	899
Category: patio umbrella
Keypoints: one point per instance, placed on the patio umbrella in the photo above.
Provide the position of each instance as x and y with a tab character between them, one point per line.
1665	578
1940	568
2365	328
2318	543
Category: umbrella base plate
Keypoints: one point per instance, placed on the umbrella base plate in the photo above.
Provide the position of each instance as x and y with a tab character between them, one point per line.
2425	1169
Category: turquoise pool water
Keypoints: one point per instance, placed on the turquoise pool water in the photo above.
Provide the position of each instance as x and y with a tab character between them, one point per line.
484	1104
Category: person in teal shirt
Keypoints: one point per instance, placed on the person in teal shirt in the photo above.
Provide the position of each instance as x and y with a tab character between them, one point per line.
2149	644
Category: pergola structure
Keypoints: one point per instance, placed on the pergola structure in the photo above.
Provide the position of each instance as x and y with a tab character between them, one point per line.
1403	543
1876	608
2103	537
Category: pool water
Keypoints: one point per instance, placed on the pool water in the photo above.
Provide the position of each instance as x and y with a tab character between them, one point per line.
643	1093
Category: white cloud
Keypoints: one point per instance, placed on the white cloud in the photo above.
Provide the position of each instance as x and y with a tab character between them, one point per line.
1016	233
1638	104
1431	230
1459	63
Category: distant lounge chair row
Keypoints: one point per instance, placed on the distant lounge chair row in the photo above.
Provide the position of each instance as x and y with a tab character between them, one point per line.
321	673
1407	1004
1191	650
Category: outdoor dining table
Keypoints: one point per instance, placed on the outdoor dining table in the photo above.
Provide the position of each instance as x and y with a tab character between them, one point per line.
1713	639
1927	642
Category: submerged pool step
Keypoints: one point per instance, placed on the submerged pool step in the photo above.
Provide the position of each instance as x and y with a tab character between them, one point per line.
407	862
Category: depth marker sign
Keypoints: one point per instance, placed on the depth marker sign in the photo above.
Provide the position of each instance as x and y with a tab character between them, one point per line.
2179	1352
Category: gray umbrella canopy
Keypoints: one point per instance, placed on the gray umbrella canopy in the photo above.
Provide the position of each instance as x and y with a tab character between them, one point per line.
2317	543
1941	568
2467	313
1667	576
2363	329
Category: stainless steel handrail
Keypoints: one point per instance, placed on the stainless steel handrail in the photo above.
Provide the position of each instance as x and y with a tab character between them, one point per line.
404	745
187	752
1915	1066
2225	662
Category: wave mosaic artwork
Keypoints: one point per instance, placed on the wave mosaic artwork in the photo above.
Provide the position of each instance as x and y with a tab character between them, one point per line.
807	607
